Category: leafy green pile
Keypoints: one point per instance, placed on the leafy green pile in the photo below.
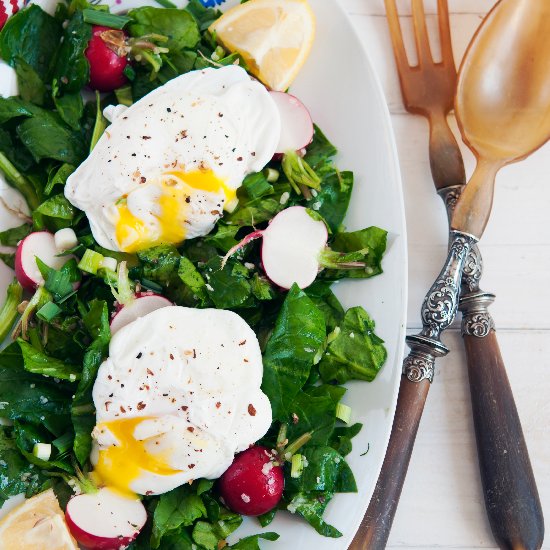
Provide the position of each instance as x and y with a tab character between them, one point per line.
310	344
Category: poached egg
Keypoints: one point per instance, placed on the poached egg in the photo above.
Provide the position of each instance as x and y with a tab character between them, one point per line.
168	166
177	397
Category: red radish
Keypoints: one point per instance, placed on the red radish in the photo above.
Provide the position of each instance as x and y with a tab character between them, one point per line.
296	123
254	483
142	304
106	53
39	244
105	520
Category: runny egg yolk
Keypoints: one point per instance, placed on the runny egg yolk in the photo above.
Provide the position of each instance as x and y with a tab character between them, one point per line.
176	190
118	466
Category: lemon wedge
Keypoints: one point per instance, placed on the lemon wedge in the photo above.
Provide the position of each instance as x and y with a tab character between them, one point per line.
37	524
273	36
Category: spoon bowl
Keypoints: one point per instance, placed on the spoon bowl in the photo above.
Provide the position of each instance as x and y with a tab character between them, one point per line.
503	100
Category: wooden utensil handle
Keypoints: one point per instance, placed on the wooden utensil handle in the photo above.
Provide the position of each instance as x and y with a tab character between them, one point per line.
375	528
509	488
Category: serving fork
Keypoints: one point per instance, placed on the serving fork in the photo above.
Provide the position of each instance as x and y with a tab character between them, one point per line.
510	492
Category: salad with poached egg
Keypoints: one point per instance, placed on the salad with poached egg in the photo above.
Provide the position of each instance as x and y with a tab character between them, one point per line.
175	356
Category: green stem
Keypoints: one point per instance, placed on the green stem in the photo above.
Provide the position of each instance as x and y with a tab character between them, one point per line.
297	444
332	259
299	172
8	313
20	182
100	123
281	437
40	298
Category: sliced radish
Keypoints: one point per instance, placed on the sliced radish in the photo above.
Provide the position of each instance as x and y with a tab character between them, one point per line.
105	520
144	303
292	244
39	244
294	249
296	123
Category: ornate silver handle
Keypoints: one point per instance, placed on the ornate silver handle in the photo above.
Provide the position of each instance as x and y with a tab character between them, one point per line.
474	302
438	312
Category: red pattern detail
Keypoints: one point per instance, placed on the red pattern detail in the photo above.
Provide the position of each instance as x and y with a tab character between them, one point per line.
3	14
14	5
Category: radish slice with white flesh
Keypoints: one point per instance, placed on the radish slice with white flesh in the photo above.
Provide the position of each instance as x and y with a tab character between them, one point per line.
291	246
294	249
39	244
105	520
296	123
142	304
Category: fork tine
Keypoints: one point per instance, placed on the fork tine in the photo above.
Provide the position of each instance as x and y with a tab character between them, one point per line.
445	34
421	33
396	36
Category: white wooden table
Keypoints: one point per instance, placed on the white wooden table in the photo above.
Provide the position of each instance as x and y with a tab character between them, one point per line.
442	503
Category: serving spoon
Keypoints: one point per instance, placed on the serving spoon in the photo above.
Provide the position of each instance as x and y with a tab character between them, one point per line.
503	100
502	107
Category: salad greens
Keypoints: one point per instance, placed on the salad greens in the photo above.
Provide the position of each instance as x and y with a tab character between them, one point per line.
310	344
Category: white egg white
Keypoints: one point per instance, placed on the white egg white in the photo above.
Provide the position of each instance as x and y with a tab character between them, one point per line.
194	378
213	119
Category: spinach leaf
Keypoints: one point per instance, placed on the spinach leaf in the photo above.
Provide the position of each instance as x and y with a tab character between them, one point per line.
38	362
208	535
31	87
13	107
160	264
261	288
314	410
59	211
191	277
17	475
253	541
49	137
224	237
373	238
72	69
179	507
320	150
342	436
298	336
355	353
10	237
256	186
331	201
58	176
32	35
311	507
179	540
60	281
204	16
228	287
26	437
326	471
8	259
251	212
15	152
70	108
179	26
29	396
83	411
323	297
267	518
